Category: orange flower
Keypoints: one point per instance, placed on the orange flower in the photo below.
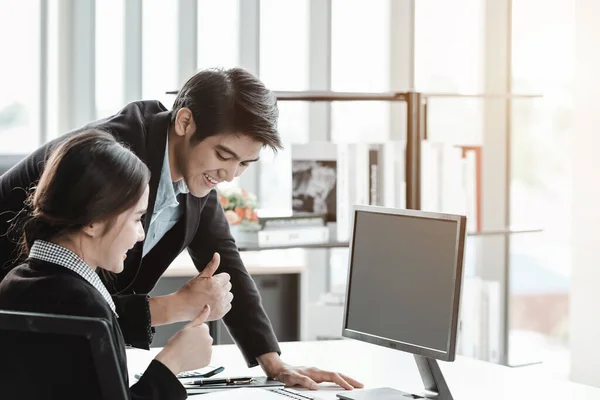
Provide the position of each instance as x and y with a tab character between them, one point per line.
240	212
232	217
248	213
224	201
254	216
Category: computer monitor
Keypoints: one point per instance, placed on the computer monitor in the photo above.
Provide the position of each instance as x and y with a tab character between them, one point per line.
63	334
404	281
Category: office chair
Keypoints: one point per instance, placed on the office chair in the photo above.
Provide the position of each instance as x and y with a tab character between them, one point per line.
31	344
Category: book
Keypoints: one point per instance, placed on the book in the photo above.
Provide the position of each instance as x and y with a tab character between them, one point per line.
352	184
314	183
394	176
375	175
291	236
293	220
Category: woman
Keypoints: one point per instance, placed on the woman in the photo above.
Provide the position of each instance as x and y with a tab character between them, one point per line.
85	214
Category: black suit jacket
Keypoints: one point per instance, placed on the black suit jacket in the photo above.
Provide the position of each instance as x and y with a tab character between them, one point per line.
64	370
203	230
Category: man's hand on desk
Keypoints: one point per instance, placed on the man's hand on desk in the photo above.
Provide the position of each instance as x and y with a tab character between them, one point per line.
306	377
187	302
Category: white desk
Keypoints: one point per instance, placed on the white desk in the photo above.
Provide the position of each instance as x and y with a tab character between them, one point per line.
377	366
289	261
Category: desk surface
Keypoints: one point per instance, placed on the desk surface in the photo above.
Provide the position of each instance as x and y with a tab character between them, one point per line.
377	366
291	261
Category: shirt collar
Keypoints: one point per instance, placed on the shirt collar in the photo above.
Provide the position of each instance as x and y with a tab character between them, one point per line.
167	192
50	252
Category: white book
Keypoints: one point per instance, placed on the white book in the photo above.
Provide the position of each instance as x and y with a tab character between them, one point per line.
452	193
492	289
300	235
352	184
394	176
470	317
470	179
344	193
376	172
293	236
430	177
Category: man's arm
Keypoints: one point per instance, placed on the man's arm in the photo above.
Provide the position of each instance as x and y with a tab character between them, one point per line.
247	321
134	319
187	302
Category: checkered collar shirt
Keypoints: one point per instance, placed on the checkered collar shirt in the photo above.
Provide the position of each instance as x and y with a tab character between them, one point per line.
50	252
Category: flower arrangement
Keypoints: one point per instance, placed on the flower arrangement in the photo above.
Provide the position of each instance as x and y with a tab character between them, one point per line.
240	207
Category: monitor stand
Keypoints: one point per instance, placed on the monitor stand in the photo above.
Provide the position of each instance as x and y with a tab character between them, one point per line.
433	381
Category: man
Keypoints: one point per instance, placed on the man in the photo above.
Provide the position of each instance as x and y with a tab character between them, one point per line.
219	123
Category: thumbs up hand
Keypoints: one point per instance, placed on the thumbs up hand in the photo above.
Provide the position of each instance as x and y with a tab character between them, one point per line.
206	288
190	348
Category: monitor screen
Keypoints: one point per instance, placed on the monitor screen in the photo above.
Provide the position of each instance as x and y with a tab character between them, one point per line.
404	280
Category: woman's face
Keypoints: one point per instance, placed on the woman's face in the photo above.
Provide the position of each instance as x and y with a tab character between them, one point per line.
126	231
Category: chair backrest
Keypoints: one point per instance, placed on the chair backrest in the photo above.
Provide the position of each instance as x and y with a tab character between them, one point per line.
83	339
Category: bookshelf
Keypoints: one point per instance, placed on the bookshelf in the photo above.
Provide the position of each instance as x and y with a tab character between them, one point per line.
416	125
341	244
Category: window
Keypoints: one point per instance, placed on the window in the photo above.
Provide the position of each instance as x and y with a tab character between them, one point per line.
110	51
19	76
449	58
542	62
218	33
159	50
360	63
283	66
53	100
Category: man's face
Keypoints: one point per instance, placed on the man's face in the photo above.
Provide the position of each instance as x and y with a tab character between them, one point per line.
215	159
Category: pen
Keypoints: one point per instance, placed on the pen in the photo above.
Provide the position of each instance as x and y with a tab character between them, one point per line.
222	381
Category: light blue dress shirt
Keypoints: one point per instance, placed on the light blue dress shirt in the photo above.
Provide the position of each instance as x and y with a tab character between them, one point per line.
167	210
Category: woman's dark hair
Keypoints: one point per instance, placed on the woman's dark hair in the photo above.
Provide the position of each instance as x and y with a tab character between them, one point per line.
230	101
89	177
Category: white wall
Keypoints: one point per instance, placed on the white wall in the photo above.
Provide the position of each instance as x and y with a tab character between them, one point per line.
585	152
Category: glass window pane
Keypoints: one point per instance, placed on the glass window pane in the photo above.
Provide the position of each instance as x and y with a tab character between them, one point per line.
541	181
360	45
284	44
159	29
218	33
110	51
353	122
455	120
449	57
53	93
360	63
283	66
19	76
449	46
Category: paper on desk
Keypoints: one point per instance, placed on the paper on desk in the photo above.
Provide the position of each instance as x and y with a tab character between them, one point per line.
244	394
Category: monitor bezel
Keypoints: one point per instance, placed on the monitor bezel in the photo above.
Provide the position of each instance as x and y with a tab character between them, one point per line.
450	352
